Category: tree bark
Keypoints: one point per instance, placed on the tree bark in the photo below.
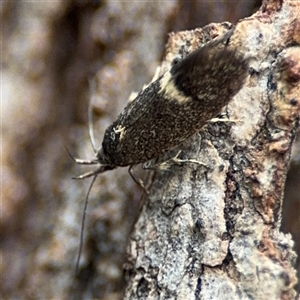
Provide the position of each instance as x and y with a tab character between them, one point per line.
50	50
212	230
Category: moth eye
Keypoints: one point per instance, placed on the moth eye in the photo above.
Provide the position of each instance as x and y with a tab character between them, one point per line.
176	61
146	165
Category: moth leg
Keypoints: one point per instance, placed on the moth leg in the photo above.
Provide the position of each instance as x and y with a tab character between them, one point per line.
101	169
137	180
83	161
85	175
222	118
86	161
149	165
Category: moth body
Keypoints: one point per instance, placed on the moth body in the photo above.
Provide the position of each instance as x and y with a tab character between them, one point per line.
174	107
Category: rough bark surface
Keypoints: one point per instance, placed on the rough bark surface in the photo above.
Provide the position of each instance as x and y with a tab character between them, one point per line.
212	231
49	51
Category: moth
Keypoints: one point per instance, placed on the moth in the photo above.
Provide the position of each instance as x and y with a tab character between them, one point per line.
173	107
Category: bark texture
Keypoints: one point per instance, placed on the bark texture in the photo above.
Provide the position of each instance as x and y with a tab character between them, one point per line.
212	231
49	51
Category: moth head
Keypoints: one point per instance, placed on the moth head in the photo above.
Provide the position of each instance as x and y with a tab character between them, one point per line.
102	167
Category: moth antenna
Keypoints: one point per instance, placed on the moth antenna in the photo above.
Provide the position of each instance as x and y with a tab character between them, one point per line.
83	223
92	85
137	180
